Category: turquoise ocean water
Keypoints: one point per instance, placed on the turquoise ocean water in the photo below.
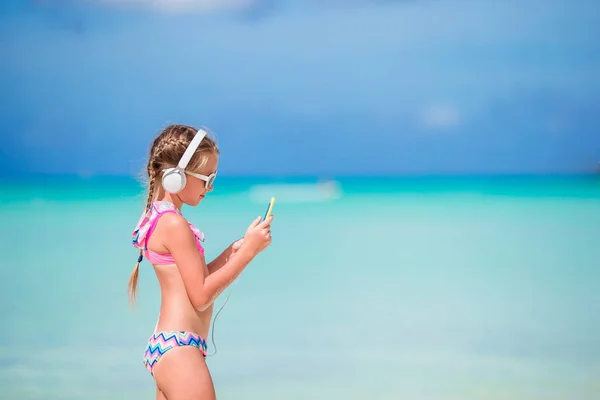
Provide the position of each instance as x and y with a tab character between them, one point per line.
422	288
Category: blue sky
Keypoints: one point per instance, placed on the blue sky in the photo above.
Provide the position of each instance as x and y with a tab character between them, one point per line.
311	88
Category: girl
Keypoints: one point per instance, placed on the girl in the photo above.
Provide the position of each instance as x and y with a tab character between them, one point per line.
181	169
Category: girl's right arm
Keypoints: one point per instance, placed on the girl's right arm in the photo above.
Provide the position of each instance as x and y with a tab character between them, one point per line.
203	289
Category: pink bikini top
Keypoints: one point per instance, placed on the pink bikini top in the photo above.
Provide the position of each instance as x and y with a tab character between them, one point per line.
146	225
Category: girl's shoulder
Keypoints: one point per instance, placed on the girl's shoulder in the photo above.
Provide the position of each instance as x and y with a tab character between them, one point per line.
149	218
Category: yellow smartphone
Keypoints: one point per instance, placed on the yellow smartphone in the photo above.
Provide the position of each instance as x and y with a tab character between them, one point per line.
269	208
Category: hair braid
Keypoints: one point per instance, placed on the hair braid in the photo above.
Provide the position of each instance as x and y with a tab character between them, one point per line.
133	278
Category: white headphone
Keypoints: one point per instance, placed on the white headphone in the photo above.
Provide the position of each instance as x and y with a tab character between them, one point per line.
173	179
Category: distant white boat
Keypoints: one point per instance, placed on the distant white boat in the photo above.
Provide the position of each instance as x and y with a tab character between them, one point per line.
296	192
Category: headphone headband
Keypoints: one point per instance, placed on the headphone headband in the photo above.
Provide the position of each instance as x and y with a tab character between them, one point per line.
191	149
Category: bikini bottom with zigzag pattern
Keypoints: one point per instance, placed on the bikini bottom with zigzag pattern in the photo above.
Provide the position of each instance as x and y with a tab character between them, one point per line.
161	342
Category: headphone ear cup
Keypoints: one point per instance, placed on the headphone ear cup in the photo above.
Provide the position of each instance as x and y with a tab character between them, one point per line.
173	180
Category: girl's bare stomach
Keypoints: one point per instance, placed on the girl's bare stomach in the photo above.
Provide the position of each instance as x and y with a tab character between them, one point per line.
176	310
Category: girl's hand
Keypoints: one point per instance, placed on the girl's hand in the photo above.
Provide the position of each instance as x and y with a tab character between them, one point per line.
235	246
258	235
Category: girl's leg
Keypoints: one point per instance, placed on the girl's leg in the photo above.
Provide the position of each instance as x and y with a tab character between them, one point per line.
182	374
159	394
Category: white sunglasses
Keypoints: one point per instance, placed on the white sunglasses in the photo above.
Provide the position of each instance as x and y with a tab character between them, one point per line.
208	180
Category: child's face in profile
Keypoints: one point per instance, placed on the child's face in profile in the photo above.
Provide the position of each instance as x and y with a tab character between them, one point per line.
195	188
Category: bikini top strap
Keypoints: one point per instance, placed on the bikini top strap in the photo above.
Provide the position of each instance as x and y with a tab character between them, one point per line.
148	220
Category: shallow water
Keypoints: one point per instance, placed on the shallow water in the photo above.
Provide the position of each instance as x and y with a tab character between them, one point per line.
453	288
